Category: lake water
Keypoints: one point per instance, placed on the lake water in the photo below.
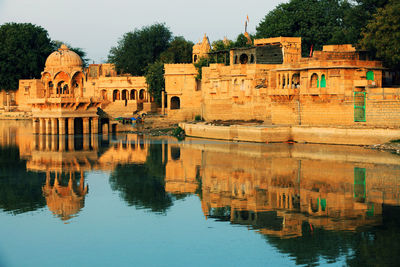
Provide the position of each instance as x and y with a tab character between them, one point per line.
130	200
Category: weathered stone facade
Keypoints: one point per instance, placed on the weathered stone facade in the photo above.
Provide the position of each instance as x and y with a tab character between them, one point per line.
336	86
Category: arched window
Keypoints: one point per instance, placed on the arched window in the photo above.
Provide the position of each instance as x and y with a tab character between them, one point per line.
242	85
252	58
314	81
175	153
295	80
236	60
141	94
65	89
116	95
124	94
370	75
133	94
323	81
195	58
104	94
175	102
243	59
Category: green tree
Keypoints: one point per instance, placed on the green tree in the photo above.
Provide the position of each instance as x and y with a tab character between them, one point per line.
155	80
382	34
313	20
178	51
78	50
241	41
202	62
24	48
139	48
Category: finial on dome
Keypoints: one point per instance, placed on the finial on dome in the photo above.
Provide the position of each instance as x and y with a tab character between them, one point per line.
63	47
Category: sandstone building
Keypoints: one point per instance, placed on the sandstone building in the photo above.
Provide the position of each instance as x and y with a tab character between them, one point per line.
270	81
67	97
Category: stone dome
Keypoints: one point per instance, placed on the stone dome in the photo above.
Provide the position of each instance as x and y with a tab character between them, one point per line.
63	58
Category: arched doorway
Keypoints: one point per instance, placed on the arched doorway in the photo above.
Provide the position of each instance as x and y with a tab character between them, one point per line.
243	59
103	94
125	96
141	94
133	94
116	95
175	102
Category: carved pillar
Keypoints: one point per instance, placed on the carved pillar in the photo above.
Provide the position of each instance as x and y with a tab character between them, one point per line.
71	127
86	129
95	125
47	126
54	126
61	126
42	128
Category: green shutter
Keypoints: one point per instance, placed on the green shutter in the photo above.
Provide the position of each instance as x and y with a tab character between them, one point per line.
370	75
323	81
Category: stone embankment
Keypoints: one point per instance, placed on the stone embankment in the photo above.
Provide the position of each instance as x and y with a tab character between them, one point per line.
300	134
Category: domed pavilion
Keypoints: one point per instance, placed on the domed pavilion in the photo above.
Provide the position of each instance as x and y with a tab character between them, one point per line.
61	106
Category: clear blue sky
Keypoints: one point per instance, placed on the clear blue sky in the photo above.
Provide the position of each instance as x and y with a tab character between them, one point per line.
96	25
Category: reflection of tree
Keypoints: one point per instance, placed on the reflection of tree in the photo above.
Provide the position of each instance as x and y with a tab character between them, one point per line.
377	246
20	190
143	185
315	244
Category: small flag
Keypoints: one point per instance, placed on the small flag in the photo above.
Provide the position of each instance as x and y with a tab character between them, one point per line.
311	50
248	18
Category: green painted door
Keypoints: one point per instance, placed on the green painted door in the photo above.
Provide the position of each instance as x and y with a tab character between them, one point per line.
359	106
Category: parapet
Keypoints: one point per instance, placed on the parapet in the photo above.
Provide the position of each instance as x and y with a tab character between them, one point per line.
181	68
277	40
339	48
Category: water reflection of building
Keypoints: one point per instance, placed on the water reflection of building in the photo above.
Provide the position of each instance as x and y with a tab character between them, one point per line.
65	159
65	201
278	189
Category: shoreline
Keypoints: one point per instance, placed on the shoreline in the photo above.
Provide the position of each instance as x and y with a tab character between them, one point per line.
156	125
373	138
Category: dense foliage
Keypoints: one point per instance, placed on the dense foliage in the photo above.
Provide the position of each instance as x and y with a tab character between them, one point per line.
139	48
24	48
155	80
319	22
145	50
382	34
20	189
179	51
